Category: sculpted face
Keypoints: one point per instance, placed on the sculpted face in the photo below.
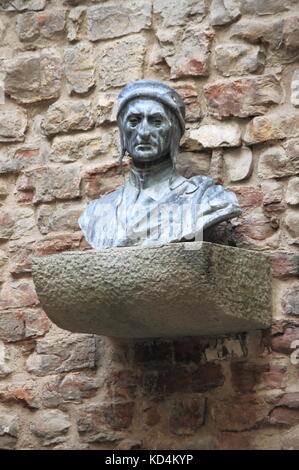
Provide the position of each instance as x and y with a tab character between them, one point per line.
147	129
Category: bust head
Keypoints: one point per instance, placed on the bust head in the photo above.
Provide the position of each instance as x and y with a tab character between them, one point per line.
151	122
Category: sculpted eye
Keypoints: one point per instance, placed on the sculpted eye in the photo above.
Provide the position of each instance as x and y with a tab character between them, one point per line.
157	122
133	121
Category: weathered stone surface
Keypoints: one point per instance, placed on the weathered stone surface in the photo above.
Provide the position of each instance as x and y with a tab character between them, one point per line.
188	91
24	157
271	127
5	370
267	7
192	164
79	68
281	415
290	301
105	109
238	59
63	219
248	196
16	223
74	23
242	97
290	440
66	116
72	352
214	136
73	388
292	224
295	88
281	35
192	57
111	61
122	384
33	76
255	232
238	163
17	294
224	12
105	22
177	14
285	264
62	296
292	192
272	191
49	424
59	243
16	325
187	416
104	423
21	5
47	184
7	225
13	124
239	413
282	342
48	24
102	180
275	163
71	148
9	431
247	377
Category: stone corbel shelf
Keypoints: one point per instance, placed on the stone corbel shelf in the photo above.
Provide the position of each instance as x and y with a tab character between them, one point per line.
178	289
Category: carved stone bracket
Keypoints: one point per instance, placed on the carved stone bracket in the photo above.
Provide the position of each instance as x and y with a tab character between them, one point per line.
178	289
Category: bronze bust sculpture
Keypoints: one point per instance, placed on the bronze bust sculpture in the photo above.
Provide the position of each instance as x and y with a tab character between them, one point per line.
156	205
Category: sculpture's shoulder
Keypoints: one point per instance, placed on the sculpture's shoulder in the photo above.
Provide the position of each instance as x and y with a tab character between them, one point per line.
98	207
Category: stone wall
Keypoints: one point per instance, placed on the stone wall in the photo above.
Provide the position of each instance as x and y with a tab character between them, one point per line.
235	63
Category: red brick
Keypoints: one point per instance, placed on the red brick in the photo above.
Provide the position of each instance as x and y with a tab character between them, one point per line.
58	244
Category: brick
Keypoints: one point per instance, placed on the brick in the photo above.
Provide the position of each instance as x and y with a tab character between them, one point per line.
290	301
153	351
179	379
239	413
104	423
214	136
47	25
65	116
58	244
49	184
122	384
193	56
285	264
248	196
13	125
242	97
187	416
103	21
238	59
79	68
34	76
49	425
223	12
177	14
111	69
73	352
239	163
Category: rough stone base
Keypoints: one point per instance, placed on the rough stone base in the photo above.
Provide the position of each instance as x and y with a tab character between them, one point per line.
180	289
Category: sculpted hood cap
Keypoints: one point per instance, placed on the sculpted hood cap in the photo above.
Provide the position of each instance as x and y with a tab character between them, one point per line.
158	91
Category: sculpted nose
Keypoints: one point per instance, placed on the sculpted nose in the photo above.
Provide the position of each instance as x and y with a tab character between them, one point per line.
144	129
